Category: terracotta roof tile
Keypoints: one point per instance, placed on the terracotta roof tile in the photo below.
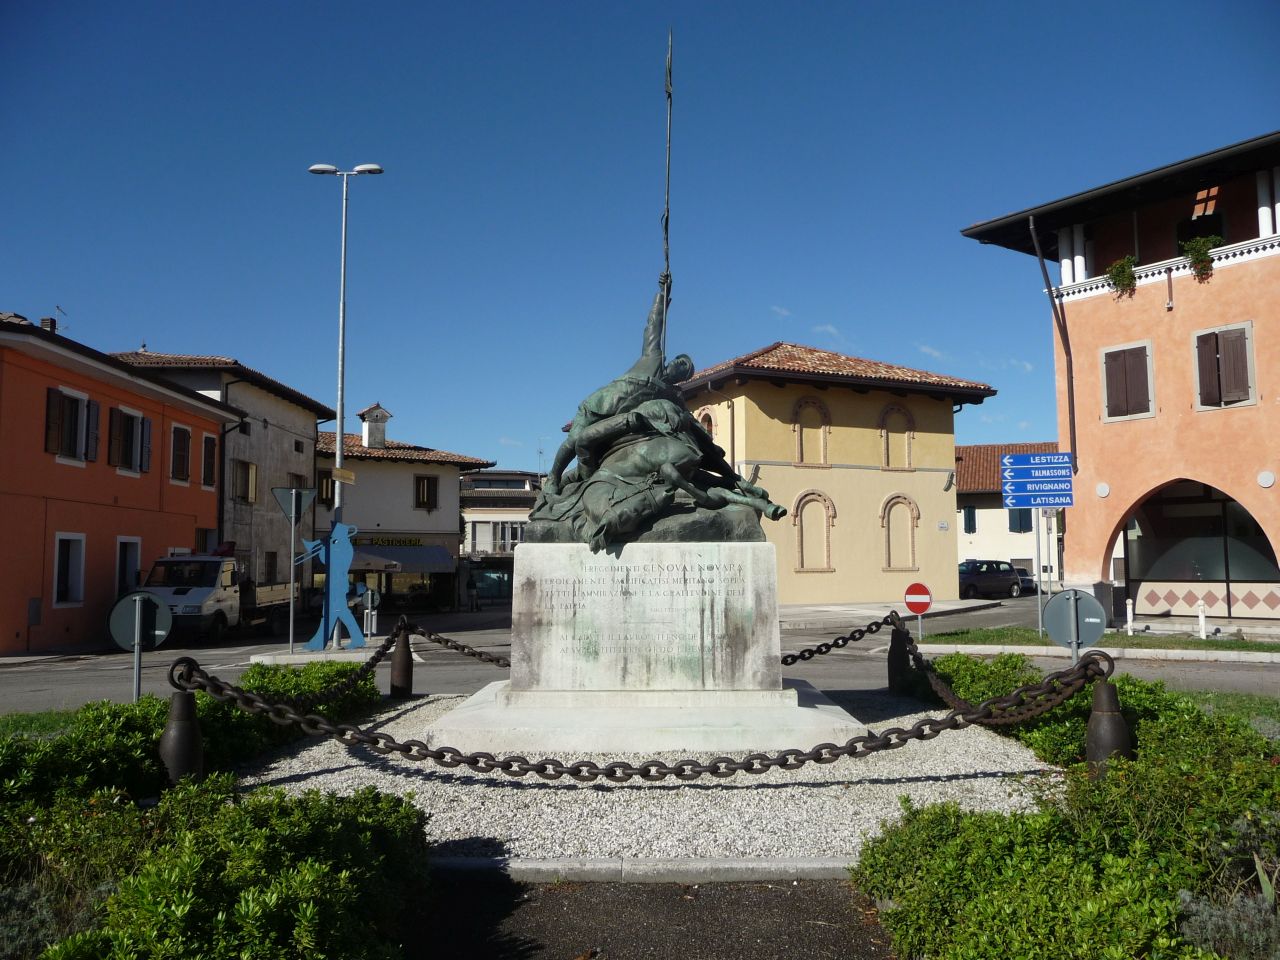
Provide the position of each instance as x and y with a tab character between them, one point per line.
795	358
394	450
184	361
978	465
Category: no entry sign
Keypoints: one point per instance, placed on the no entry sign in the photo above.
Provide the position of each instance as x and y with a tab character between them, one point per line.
918	598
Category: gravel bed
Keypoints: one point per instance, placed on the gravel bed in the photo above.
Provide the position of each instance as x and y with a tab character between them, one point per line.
820	810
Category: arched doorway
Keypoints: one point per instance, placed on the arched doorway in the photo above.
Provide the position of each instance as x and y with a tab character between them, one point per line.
1188	543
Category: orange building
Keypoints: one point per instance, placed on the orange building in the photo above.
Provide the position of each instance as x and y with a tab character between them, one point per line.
1168	375
103	468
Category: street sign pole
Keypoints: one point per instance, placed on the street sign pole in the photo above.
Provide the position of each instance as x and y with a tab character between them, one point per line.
295	496
1075	627
138	600
1039	583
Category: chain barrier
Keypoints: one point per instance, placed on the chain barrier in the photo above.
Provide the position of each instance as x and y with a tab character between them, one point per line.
1023	703
460	647
854	635
347	684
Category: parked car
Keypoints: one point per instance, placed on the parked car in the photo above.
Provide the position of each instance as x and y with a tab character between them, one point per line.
992	578
1029	584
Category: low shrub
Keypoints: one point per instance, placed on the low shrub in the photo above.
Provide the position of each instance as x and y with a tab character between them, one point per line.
264	875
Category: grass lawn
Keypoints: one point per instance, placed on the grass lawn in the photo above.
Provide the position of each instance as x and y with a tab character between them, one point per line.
46	723
1027	636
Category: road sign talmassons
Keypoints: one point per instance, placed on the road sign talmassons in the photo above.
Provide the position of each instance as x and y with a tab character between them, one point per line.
918	598
284	494
1036	480
157	621
1074	605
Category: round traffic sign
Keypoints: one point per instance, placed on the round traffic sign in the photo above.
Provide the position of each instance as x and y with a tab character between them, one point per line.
1074	614
918	598
157	621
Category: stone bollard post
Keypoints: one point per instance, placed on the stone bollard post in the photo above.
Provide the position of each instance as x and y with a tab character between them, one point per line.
899	662
1108	734
402	664
181	748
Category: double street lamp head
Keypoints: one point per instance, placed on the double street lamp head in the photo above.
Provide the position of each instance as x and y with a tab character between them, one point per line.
330	168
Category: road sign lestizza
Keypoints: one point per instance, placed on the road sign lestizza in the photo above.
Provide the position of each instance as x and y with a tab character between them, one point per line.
1036	480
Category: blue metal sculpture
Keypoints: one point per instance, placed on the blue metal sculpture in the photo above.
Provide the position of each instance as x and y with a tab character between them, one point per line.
336	553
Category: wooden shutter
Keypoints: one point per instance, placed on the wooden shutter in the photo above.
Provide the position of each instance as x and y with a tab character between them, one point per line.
52	420
180	453
251	493
208	469
144	458
1135	373
1117	395
1233	365
115	439
433	493
91	430
1207	364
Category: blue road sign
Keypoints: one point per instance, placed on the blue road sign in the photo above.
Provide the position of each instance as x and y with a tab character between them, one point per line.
1036	480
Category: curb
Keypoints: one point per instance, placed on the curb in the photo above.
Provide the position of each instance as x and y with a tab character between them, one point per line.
846	621
644	870
1116	653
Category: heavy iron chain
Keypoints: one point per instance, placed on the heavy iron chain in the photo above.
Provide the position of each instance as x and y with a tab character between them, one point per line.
461	647
1025	702
853	636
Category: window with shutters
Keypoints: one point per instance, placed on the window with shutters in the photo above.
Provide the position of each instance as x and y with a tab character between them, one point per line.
1127	382
1224	366
1020	520
324	487
70	426
180	454
970	518
426	492
244	481
128	440
209	461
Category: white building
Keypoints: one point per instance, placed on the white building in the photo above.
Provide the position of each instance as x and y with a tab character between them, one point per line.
405	506
985	529
495	511
273	446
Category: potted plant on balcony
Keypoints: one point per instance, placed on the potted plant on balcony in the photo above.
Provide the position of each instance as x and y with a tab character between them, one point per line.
1121	276
1197	251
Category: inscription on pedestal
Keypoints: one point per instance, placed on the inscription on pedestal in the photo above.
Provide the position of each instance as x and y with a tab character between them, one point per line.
693	616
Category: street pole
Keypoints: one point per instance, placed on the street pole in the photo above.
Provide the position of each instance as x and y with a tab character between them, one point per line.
294	496
1039	582
340	440
138	601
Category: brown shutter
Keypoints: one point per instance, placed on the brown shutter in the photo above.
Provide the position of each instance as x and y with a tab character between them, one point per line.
91	419
433	493
1207	364
115	427
52	420
1135	373
1117	396
144	459
1233	365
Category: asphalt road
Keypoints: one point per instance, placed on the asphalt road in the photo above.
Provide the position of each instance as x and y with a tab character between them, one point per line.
68	682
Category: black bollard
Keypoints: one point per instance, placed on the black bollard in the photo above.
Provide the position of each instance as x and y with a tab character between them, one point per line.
181	748
1108	734
402	666
899	662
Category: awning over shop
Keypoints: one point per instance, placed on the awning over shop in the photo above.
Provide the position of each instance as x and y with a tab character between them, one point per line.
365	562
423	559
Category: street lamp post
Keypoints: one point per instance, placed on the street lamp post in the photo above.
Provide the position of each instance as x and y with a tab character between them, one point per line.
340	435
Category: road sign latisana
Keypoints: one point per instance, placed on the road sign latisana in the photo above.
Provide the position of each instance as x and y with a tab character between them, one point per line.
1036	480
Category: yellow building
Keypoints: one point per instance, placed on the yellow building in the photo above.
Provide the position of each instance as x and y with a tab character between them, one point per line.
862	455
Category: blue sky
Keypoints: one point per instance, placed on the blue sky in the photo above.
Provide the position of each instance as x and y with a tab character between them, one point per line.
825	158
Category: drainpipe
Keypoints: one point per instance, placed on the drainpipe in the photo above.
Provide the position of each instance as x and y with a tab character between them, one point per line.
1061	323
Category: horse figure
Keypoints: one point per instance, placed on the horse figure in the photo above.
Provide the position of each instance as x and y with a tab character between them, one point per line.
338	554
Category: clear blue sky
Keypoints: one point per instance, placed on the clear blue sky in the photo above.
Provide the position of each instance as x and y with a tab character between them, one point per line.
825	158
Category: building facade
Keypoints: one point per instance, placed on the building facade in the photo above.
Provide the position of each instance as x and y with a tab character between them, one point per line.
862	455
1168	375
986	529
405	504
273	446
105	469
495	510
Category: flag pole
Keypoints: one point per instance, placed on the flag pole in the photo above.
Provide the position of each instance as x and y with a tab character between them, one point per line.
666	209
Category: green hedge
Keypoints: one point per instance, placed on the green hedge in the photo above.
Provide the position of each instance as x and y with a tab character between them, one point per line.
113	745
1147	862
207	873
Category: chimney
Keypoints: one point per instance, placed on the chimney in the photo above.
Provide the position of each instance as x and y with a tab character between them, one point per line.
374	431
49	323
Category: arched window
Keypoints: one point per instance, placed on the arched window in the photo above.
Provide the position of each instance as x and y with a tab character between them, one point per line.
812	425
897	431
899	516
813	515
706	418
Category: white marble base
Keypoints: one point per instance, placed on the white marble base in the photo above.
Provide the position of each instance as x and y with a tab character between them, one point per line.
706	723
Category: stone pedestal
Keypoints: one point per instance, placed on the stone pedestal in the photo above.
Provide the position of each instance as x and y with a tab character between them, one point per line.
652	647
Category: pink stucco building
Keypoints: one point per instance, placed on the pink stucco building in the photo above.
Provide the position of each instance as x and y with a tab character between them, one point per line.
1168	391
